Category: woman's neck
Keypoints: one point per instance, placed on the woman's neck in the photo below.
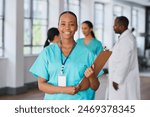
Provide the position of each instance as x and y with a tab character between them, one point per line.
88	37
67	43
66	46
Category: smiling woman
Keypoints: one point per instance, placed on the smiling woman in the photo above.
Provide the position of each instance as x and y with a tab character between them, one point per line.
60	67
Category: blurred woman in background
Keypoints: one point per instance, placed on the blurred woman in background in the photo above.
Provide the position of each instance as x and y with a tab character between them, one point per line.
53	36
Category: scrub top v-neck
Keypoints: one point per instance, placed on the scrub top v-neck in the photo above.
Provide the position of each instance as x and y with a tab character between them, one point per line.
48	66
94	45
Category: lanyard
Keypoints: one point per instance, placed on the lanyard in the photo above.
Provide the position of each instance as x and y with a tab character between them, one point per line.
63	63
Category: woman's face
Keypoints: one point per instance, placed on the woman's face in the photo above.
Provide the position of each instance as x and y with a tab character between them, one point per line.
67	26
86	30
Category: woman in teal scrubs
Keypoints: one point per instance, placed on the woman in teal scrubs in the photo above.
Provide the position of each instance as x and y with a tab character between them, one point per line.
60	67
89	41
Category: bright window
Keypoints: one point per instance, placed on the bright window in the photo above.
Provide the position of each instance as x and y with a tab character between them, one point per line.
35	25
99	20
2	27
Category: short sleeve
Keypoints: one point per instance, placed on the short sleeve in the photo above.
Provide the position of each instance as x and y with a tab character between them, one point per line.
99	48
39	68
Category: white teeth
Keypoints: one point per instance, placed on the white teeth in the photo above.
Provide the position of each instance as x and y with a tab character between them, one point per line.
67	33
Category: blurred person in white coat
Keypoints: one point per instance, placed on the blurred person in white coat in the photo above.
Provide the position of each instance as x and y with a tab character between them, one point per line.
123	79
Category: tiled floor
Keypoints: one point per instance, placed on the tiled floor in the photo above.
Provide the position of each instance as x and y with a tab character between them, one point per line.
100	94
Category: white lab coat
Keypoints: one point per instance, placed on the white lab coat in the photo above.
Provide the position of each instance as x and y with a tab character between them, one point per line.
123	69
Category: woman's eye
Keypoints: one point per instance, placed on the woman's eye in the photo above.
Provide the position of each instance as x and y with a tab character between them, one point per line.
72	24
63	24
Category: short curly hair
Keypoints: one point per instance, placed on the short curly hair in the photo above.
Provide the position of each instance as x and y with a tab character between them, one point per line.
122	20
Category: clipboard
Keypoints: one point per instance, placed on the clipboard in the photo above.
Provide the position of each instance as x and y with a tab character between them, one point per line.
99	63
101	60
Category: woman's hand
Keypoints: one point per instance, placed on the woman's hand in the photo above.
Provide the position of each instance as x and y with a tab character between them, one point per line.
85	83
88	72
115	85
71	90
94	82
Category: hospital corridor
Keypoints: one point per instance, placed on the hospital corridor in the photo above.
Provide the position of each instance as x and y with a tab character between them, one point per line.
24	27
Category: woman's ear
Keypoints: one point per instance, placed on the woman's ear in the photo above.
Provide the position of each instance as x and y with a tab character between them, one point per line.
91	29
77	27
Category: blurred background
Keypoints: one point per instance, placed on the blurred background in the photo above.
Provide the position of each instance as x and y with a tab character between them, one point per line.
23	28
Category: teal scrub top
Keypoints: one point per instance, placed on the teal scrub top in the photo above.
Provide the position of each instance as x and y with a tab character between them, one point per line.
48	66
95	46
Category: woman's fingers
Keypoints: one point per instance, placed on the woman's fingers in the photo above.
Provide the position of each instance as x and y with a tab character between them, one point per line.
89	71
72	89
93	66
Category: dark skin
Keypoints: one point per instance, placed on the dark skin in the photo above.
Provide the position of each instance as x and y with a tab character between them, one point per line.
67	28
119	29
89	80
116	86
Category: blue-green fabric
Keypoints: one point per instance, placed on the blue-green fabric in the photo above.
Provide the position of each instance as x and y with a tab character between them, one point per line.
94	46
48	66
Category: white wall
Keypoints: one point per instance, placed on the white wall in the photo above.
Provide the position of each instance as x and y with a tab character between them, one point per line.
86	12
54	13
108	25
3	63
14	43
28	61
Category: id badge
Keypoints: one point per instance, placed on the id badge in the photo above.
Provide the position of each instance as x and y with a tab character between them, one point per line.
61	80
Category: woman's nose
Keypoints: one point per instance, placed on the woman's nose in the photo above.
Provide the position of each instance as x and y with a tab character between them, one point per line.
67	26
